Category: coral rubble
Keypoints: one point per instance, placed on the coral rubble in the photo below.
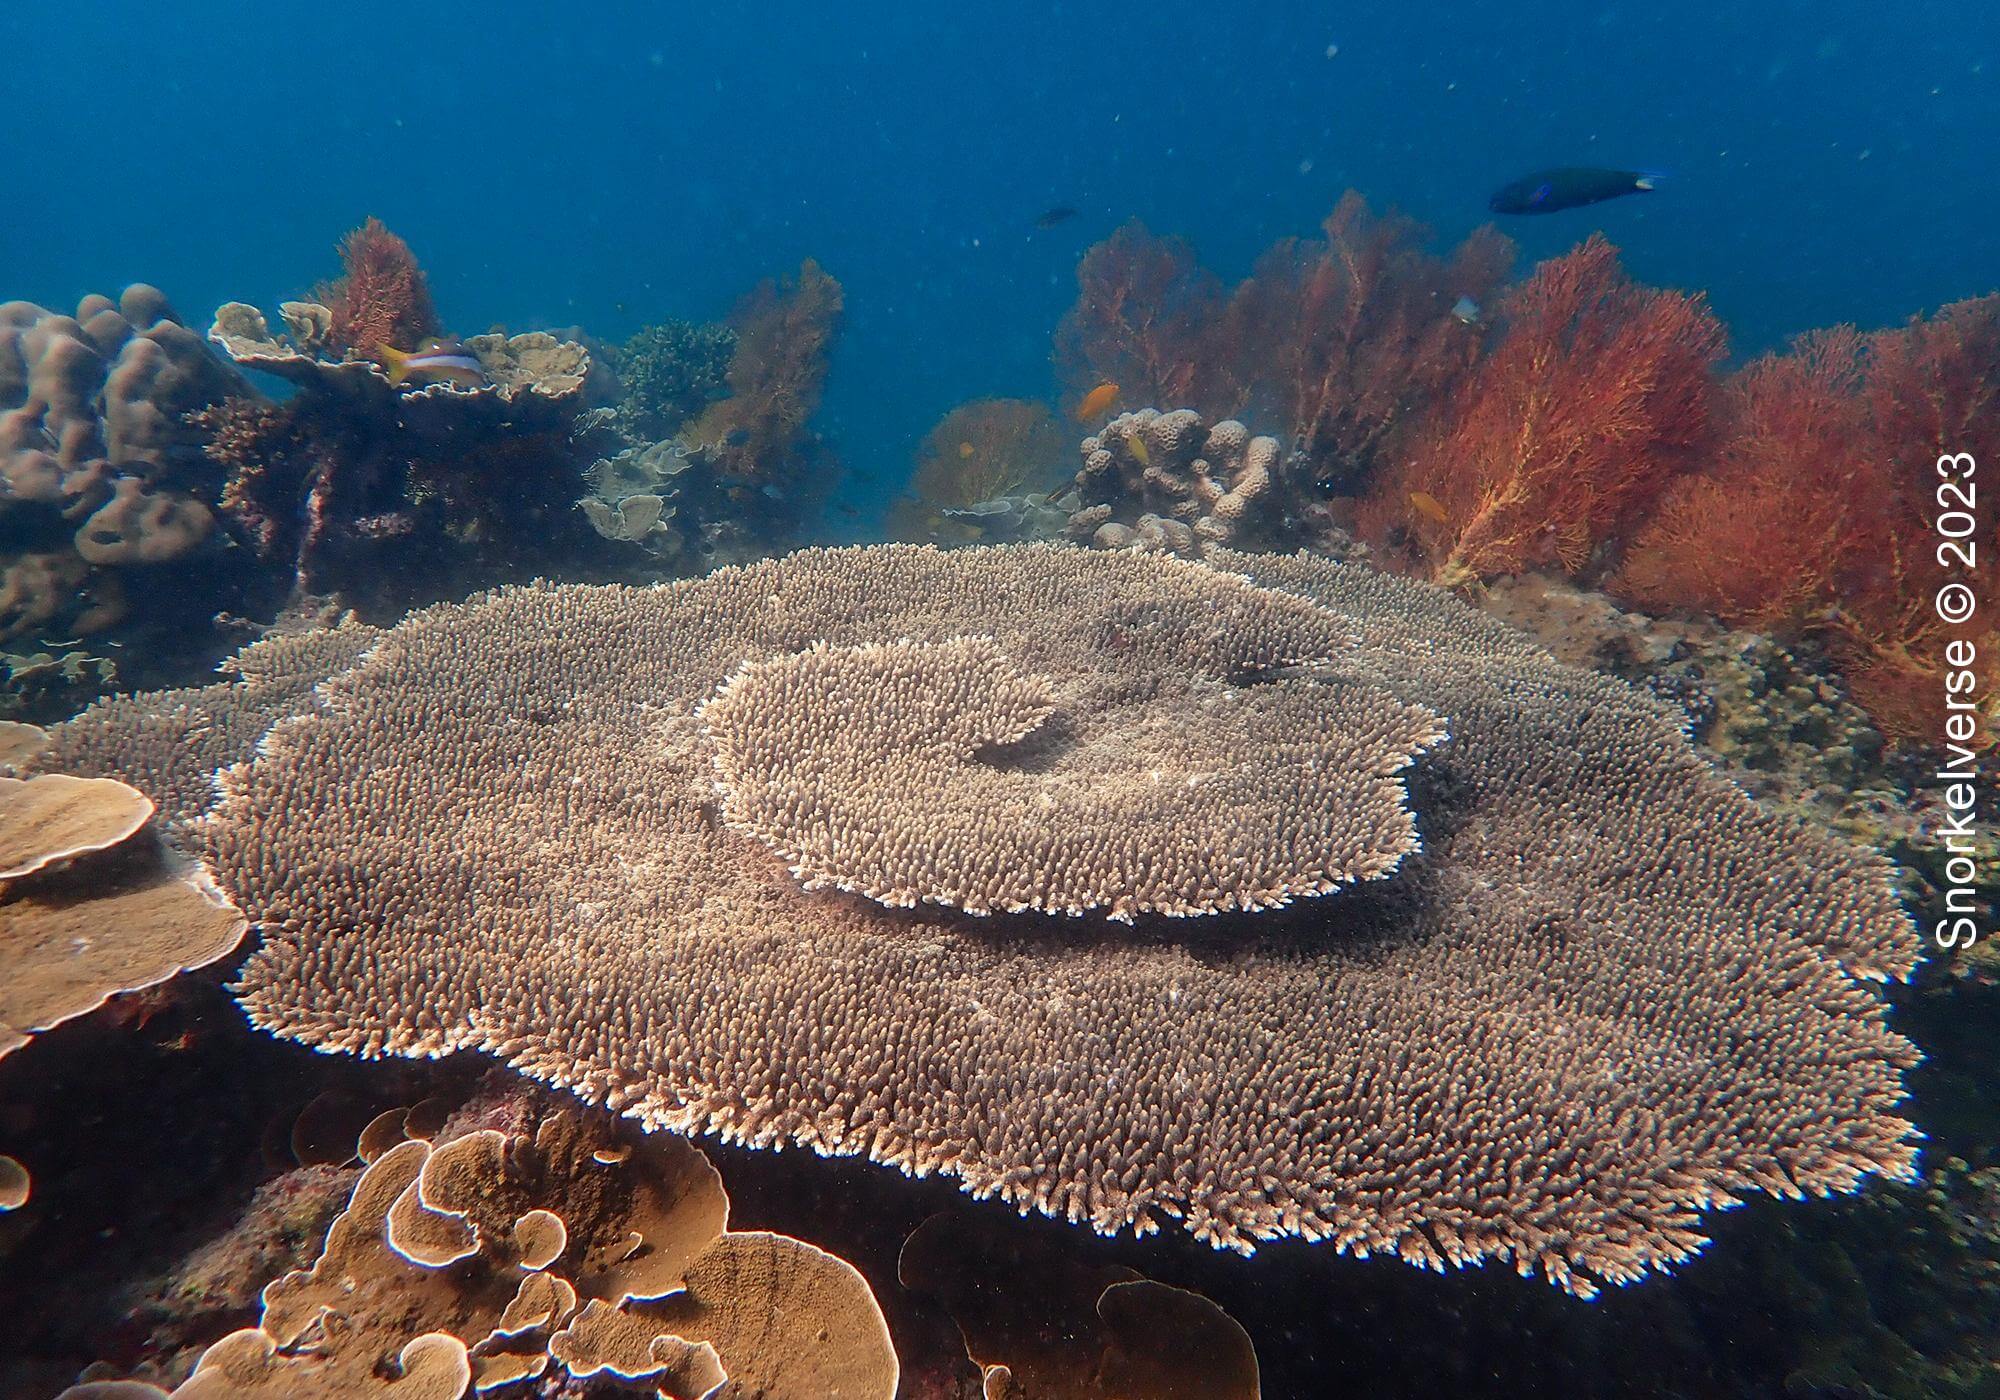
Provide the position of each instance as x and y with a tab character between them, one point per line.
1525	1043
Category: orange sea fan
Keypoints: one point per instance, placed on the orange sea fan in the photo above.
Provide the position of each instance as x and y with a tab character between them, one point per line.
1932	390
1590	403
382	299
977	452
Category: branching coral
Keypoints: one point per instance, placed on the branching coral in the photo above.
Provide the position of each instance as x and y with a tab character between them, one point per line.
984	454
381	299
1588	406
669	372
1822	510
498	828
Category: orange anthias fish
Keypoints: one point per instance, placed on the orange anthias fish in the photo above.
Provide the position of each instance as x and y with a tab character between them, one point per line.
434	359
1096	401
1428	506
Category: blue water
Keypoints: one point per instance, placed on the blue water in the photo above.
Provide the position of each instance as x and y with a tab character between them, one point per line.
610	165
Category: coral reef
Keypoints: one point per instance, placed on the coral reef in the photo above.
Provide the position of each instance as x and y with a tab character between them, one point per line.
92	904
1837	441
668	373
380	299
737	479
491	1256
1170	481
1038	1321
982	472
386	493
101	481
458	811
1337	343
1594	397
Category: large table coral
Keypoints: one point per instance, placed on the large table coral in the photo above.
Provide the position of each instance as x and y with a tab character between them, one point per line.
1608	994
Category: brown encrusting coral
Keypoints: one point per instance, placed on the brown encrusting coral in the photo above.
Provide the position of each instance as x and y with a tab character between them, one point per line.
1609	994
491	1257
1594	398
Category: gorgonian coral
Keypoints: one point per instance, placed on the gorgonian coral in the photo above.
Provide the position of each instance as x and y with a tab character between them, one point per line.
1821	509
382	298
1594	398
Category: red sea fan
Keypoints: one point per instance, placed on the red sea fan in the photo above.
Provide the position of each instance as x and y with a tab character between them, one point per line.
1591	402
1758	537
1143	320
1933	390
1336	343
382	299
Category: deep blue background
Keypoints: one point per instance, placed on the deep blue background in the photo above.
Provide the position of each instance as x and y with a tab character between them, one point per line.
610	164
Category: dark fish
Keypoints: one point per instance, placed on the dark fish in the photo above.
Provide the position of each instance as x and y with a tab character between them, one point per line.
1570	187
1061	214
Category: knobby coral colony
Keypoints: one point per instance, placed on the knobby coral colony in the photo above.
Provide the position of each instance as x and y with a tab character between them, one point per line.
1562	991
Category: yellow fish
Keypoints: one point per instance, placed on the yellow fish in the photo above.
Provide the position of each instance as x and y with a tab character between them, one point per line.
1096	401
1139	449
1427	505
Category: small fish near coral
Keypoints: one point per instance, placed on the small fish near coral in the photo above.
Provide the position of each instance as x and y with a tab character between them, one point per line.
1096	402
1050	218
1569	187
434	360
